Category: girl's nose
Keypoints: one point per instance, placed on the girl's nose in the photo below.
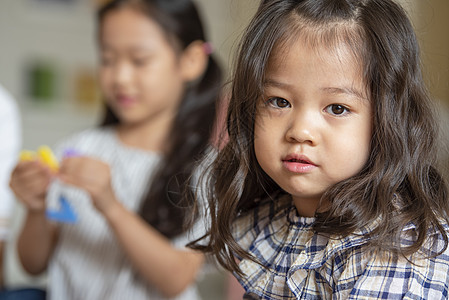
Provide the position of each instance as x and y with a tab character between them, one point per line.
122	74
302	128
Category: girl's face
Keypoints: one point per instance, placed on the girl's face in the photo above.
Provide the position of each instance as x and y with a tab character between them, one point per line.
140	72
313	125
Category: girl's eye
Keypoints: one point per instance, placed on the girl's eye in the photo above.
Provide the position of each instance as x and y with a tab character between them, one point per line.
278	102
337	109
106	61
138	62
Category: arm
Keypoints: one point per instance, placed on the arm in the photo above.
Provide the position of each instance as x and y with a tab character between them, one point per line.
29	181
36	242
168	269
234	289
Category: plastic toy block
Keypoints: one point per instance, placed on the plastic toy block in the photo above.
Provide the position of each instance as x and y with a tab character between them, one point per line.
65	214
48	158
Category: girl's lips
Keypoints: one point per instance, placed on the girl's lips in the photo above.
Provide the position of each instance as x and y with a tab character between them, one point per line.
125	100
298	164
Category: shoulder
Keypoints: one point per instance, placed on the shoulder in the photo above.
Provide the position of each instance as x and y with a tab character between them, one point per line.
87	141
10	129
6	100
8	105
90	134
422	275
396	276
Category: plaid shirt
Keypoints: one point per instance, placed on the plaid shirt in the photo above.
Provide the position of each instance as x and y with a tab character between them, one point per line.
304	265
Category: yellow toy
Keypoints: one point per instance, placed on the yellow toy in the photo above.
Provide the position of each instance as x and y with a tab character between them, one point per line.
44	154
26	155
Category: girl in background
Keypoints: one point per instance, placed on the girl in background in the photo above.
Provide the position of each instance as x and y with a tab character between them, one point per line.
328	187
126	178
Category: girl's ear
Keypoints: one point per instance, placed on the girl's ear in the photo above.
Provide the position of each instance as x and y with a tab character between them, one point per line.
194	61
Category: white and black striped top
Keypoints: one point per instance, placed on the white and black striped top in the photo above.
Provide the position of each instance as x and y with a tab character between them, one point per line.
88	263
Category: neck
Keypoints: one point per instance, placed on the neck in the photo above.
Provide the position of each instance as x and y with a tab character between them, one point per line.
306	207
148	136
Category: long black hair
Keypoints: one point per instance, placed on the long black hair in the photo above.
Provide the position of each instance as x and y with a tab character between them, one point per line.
400	182
164	206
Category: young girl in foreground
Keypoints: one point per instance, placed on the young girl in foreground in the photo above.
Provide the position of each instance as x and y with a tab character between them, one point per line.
126	178
328	188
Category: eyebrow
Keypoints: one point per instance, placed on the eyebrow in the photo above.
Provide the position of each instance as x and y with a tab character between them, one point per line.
351	91
274	83
344	90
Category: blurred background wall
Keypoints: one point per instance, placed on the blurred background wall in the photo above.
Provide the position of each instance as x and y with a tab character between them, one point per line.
48	62
48	59
431	19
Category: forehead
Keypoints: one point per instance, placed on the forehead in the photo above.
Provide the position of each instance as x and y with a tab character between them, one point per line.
334	51
342	39
338	57
129	26
338	54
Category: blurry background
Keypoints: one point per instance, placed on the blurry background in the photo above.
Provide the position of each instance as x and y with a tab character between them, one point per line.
48	59
48	62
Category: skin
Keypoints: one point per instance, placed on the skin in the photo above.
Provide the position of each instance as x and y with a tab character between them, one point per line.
142	77
314	110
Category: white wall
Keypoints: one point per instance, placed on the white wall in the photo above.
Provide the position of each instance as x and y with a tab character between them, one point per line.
60	33
64	33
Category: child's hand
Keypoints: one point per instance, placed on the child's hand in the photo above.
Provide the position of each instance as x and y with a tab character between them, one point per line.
29	181
91	175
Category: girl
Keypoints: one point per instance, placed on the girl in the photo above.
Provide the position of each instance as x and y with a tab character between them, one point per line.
125	179
328	188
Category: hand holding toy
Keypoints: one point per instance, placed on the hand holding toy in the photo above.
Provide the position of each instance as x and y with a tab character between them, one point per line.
45	155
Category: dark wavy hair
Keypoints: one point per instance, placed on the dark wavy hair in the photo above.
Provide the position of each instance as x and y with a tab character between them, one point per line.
165	206
399	183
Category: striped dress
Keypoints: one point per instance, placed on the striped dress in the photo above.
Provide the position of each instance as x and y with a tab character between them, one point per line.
88	262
